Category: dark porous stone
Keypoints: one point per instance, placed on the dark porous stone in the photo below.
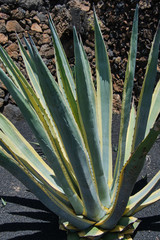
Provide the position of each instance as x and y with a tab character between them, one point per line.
13	113
1	102
30	4
42	17
7	1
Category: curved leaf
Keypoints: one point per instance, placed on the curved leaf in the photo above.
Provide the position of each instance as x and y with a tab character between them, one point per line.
71	138
104	101
154	109
128	177
126	100
136	200
87	113
46	197
146	92
154	197
65	77
42	137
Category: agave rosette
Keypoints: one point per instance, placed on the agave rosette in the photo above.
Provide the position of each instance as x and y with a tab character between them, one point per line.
72	123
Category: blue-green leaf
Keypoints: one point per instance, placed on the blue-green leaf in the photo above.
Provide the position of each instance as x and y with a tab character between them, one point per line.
128	177
46	197
146	92
104	101
71	138
126	99
87	113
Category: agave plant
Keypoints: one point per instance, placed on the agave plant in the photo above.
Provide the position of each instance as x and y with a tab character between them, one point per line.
72	122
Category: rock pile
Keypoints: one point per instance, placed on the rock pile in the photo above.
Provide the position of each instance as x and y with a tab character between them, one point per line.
23	20
31	17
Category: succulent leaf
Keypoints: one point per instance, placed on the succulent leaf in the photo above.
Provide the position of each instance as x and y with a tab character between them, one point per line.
126	101
104	101
47	199
87	111
155	108
146	92
136	200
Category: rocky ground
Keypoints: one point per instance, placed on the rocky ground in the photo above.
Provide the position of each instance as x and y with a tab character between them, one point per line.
115	18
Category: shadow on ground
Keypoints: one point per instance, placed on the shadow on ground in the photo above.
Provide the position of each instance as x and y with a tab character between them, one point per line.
45	223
